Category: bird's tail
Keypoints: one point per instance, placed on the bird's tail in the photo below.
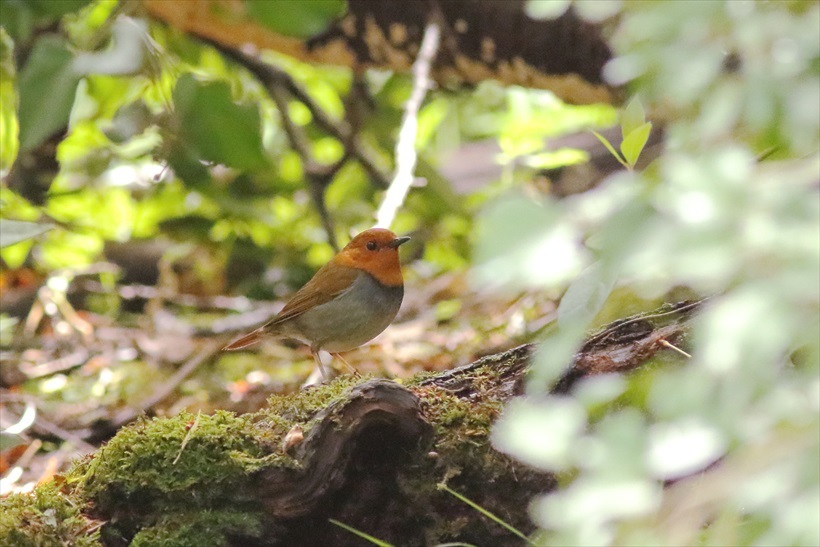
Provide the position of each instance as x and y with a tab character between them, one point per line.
247	340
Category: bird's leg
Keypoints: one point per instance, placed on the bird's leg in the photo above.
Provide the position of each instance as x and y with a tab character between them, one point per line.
318	359
352	370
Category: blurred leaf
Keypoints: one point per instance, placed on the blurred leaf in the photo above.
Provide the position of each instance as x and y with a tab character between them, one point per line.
15	231
633	143
632	117
586	295
215	127
541	433
524	243
47	85
557	158
683	447
299	19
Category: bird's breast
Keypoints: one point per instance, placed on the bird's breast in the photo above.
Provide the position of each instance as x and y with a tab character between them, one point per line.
354	317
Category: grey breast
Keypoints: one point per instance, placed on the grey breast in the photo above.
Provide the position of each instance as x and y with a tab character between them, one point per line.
356	316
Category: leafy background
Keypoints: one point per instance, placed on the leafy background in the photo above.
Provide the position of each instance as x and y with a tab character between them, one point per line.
161	138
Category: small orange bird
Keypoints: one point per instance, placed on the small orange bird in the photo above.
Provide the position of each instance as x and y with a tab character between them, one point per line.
349	301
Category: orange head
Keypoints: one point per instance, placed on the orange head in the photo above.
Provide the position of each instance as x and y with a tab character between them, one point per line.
375	251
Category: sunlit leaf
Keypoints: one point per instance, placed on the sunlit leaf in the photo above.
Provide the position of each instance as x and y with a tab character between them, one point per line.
633	143
684	447
632	117
557	158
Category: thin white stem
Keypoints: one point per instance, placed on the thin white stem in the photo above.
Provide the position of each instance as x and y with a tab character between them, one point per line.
406	144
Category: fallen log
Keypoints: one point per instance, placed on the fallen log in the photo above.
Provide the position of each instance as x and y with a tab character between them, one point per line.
368	454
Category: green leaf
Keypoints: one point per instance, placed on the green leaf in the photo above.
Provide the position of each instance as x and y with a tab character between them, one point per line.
15	231
299	19
610	148
217	129
46	89
633	143
632	117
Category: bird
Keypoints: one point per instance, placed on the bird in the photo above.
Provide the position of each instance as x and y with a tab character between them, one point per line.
347	303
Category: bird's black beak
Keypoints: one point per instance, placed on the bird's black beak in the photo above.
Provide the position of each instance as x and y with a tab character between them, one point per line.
398	241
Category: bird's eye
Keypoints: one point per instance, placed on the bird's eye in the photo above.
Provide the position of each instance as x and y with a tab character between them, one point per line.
372	246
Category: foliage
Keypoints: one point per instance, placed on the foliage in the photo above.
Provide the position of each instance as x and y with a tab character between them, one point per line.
164	136
710	217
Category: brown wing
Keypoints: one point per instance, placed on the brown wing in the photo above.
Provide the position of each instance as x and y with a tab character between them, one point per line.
328	283
322	287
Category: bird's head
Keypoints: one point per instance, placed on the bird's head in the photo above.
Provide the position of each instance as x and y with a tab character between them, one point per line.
376	251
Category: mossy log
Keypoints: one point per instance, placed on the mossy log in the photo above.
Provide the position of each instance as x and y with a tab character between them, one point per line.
370	454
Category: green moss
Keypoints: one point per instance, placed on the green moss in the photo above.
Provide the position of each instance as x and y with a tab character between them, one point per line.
463	457
198	529
191	479
45	517
163	470
171	455
301	407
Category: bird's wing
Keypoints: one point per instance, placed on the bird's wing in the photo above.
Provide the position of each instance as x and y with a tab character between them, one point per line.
322	288
329	282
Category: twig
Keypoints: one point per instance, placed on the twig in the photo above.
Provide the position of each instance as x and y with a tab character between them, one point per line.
666	344
406	144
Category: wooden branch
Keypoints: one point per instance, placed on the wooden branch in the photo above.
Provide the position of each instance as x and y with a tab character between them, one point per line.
406	143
